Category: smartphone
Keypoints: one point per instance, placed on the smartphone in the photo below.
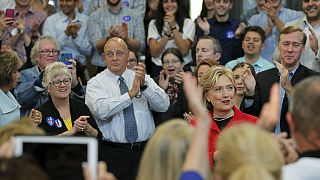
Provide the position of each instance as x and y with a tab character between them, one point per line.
60	157
64	57
10	13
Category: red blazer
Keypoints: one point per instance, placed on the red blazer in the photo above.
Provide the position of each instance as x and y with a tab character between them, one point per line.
214	132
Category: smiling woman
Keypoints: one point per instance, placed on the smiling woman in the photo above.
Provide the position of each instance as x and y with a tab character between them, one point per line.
9	75
218	85
62	114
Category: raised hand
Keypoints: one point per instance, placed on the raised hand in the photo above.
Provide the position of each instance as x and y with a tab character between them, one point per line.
163	82
179	77
203	25
284	78
270	110
249	81
240	29
313	41
140	72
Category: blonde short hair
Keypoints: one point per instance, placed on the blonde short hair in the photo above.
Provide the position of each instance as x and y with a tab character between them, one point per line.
210	78
248	152
165	153
54	70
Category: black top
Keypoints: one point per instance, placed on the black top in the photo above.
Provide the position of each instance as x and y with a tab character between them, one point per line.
53	124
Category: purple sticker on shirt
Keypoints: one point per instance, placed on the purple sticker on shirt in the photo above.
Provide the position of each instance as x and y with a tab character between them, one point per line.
125	4
58	123
230	34
50	121
127	18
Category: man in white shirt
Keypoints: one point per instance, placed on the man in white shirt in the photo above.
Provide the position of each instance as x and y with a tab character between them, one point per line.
310	24
304	122
124	118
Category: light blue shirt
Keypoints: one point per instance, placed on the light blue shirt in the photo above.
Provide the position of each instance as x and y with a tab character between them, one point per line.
271	41
80	47
308	58
9	108
259	66
101	20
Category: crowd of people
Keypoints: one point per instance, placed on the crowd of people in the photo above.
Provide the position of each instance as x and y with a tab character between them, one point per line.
169	97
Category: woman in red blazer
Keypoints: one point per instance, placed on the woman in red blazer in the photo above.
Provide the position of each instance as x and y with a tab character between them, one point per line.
218	85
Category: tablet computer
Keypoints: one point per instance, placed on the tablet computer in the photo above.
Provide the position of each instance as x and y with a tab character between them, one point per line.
60	157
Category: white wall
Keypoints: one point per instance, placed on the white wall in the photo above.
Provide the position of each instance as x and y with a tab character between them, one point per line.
195	6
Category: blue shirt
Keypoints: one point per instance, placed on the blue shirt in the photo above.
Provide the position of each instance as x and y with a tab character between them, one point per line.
9	108
271	41
260	65
80	47
225	33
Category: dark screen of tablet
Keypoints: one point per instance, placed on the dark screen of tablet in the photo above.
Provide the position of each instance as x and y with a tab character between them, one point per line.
60	161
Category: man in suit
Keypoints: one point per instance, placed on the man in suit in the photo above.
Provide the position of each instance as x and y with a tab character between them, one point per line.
288	72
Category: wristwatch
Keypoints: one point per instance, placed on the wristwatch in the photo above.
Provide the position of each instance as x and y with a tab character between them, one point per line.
144	87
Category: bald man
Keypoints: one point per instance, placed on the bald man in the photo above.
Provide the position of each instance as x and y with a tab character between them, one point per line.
121	101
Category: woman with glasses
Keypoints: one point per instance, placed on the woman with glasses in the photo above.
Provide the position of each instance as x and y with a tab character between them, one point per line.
132	60
63	115
172	62
219	91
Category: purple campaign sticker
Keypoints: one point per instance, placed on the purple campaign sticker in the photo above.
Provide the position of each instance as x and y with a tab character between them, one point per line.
58	123
125	4
127	18
50	121
230	34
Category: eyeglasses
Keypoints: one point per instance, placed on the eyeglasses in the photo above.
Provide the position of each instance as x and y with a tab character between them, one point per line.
173	61
57	83
110	54
47	52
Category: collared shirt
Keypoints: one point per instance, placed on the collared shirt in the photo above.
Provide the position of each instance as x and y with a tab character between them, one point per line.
225	33
308	58
32	16
188	33
282	94
9	108
80	47
260	65
271	41
248	14
106	103
101	20
137	5
306	168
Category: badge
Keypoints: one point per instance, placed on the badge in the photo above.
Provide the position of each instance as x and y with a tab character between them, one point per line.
58	123
230	34
127	18
125	4
50	121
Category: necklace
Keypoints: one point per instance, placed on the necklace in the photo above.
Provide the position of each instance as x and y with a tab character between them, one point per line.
223	118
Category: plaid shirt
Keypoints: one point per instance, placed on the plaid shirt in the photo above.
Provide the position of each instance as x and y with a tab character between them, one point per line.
101	20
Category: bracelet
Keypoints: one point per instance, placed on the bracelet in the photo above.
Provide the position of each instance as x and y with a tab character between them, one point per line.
173	28
168	36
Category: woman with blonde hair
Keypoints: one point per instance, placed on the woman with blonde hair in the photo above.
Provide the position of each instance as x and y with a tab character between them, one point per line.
248	152
165	153
62	114
218	85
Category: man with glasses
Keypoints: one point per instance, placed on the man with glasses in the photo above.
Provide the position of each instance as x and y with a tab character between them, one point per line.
310	24
288	72
121	101
30	92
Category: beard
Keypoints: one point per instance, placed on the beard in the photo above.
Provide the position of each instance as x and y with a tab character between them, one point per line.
113	3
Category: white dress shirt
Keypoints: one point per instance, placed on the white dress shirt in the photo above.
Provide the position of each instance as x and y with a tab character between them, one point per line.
106	103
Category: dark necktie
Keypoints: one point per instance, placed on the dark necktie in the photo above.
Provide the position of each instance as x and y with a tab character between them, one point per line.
128	115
